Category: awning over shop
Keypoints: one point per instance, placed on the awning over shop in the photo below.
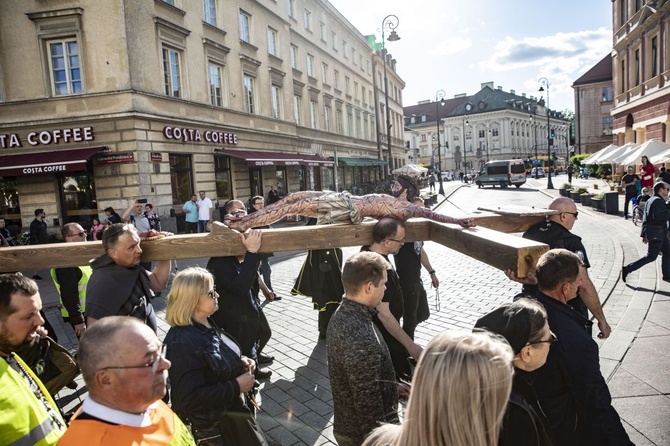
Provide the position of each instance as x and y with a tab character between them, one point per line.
267	158
46	162
315	160
355	162
258	158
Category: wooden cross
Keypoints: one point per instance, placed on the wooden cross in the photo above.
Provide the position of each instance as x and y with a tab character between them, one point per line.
488	242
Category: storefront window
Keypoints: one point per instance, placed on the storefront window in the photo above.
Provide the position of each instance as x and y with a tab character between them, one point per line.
181	178
78	202
281	181
222	174
256	181
328	179
10	209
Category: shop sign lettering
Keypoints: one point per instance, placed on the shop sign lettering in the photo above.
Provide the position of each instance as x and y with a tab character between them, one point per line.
187	135
48	137
44	169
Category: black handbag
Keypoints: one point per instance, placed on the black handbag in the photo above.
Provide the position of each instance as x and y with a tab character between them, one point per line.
654	233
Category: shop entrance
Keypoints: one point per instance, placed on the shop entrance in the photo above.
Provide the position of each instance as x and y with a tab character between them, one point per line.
77	199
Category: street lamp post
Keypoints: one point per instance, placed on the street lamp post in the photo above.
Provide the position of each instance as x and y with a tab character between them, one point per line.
439	100
391	22
545	82
465	156
534	125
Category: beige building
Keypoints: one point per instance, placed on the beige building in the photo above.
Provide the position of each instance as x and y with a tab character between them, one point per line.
641	70
489	125
102	102
594	98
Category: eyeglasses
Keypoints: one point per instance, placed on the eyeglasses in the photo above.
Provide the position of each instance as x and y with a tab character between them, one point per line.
551	340
576	213
402	242
212	293
78	234
153	364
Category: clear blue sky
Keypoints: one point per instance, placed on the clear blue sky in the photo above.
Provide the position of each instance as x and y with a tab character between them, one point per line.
455	45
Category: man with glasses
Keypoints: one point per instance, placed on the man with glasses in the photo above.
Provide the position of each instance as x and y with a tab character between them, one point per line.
118	284
125	371
555	232
654	233
570	387
389	236
71	283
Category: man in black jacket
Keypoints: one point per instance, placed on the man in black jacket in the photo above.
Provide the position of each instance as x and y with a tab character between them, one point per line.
236	281
38	233
654	233
555	232
570	387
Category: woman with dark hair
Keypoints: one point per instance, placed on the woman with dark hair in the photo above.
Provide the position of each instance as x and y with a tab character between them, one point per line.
523	324
647	171
112	216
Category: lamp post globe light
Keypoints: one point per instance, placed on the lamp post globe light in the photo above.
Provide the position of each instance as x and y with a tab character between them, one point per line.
544	82
390	22
439	101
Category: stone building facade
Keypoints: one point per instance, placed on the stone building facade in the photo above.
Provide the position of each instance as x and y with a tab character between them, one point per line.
594	99
641	70
105	102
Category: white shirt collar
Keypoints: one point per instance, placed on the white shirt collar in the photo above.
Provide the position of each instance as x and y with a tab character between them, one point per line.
117	416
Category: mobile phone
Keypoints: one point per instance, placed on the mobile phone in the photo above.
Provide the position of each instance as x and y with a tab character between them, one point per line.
142	200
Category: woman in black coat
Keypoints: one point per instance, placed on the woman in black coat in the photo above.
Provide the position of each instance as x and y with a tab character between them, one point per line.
524	324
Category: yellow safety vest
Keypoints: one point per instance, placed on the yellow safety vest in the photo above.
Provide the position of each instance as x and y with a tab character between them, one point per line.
23	418
86	272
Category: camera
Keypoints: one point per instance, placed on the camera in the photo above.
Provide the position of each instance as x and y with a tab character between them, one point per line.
142	200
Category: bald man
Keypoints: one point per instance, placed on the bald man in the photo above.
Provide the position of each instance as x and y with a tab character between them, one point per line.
555	232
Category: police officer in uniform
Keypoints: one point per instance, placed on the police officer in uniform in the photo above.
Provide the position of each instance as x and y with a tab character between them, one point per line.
555	232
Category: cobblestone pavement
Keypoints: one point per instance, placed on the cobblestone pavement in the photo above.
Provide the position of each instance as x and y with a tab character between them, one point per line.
296	402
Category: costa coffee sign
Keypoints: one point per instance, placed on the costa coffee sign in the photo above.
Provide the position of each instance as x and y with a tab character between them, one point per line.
47	137
187	135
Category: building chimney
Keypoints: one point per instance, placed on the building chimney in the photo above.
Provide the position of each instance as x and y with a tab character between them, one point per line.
523	95
512	92
487	84
460	95
500	87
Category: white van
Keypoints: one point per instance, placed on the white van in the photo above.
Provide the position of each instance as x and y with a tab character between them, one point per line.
502	173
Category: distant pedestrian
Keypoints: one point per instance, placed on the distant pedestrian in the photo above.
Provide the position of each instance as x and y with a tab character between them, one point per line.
363	385
6	235
654	233
96	229
138	218
629	183
112	216
38	233
152	216
647	171
190	209
431	182
461	175
570	171
273	196
205	212
664	175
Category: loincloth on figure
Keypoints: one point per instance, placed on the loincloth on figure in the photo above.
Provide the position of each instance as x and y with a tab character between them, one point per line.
337	207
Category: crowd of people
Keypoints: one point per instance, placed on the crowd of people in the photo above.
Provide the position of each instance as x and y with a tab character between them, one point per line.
528	374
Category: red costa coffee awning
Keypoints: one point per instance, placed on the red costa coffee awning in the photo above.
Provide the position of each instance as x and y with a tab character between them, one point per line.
46	162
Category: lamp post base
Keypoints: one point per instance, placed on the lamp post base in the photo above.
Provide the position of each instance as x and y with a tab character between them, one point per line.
550	184
441	189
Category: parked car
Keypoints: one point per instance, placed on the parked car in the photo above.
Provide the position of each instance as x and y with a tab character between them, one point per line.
540	172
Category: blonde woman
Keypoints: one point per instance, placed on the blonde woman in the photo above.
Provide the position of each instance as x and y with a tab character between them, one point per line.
459	393
209	377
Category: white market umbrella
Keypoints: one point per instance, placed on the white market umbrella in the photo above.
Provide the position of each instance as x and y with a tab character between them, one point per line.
593	159
411	170
617	153
649	149
661	158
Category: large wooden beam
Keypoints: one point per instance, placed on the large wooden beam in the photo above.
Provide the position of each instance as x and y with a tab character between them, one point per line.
494	248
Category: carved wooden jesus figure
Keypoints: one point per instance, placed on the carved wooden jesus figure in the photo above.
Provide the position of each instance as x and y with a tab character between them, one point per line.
340	207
